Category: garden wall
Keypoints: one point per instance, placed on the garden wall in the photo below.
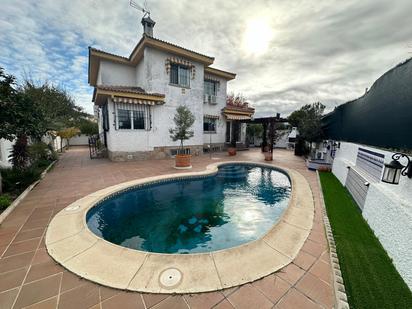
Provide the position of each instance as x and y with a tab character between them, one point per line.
80	140
387	208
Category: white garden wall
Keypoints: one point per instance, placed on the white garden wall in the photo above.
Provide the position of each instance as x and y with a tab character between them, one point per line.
387	209
79	140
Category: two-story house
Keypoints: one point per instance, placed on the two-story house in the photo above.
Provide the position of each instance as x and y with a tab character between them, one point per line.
136	99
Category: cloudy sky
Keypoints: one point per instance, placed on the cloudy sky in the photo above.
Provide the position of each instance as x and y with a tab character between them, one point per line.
286	52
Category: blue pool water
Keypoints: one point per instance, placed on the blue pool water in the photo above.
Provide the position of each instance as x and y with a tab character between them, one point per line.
237	205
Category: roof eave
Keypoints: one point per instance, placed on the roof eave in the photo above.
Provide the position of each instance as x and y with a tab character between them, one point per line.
220	73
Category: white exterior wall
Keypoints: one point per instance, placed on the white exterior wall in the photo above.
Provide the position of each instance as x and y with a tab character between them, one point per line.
79	140
111	73
5	151
151	75
216	109
387	209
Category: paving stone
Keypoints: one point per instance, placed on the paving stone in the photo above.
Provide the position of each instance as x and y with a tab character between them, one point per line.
316	289
37	291
296	300
249	297
124	300
12	279
273	287
204	300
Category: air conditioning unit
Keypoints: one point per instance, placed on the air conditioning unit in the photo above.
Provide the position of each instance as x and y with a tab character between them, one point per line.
212	99
205	98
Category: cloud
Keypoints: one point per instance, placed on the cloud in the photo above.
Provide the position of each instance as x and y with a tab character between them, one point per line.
323	50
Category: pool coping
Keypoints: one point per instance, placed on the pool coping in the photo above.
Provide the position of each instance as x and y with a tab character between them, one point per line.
71	244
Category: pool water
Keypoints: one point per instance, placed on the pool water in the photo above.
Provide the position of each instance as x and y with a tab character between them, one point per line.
237	205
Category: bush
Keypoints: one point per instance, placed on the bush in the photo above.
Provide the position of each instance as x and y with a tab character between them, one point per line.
41	151
19	156
5	201
16	181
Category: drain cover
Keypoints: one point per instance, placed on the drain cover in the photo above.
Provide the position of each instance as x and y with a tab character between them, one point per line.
171	277
72	208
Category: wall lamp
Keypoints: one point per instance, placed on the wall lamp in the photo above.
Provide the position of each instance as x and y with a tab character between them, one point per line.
394	169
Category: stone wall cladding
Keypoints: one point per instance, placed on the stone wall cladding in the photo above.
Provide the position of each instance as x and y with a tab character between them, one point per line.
341	299
158	153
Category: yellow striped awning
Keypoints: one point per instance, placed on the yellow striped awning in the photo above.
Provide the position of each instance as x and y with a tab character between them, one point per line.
237	117
134	101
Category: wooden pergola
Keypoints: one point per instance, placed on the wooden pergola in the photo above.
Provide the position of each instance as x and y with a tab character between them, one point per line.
269	129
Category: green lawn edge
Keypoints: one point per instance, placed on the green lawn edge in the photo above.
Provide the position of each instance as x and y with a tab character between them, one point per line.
370	278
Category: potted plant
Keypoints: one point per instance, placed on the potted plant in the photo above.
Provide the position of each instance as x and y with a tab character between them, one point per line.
183	120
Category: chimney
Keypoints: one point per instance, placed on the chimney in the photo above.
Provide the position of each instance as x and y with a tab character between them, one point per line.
148	25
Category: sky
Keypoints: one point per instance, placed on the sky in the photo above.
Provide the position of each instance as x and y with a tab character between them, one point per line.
286	53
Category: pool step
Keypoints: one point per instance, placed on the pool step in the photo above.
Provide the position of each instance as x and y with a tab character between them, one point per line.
232	172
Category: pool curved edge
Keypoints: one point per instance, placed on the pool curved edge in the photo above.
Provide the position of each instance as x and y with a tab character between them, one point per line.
70	243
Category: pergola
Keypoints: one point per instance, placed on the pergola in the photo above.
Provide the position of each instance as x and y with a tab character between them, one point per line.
268	123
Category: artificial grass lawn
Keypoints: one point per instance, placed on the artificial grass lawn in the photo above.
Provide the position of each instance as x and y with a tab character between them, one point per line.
371	280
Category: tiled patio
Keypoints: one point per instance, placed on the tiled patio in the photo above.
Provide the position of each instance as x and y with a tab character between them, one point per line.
30	278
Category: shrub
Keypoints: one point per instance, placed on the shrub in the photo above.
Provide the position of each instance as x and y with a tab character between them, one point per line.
17	180
42	152
5	201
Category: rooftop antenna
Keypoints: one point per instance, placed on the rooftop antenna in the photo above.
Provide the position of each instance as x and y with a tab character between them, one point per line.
137	6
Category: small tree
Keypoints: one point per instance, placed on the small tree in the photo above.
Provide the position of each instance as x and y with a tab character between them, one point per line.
308	121
183	120
67	134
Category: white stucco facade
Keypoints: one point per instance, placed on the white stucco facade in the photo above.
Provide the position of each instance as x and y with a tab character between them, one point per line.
151	74
387	208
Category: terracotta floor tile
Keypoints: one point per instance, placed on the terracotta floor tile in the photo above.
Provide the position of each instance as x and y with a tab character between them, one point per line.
304	260
296	300
225	304
291	273
249	297
124	300
227	292
273	287
22	247
12	279
34	224
172	302
43	270
106	292
50	303
322	270
204	300
153	299
16	261
41	256
316	289
84	296
30	234
313	248
37	291
7	298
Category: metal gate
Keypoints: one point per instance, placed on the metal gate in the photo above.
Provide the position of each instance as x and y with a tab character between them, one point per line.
97	146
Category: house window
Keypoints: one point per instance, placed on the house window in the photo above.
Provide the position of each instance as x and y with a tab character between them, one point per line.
211	87
179	75
133	117
209	125
123	116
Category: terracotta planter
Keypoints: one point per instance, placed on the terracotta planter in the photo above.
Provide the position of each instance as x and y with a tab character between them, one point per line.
268	156
231	151
183	161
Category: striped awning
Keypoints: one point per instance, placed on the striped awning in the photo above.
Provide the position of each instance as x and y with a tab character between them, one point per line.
237	117
211	116
135	101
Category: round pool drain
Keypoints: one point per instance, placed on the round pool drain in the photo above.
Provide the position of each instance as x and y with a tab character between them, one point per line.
170	278
72	208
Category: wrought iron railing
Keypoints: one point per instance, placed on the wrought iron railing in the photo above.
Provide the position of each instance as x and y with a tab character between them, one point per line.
97	146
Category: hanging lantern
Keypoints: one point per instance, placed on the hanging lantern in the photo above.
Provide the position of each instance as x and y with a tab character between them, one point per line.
394	169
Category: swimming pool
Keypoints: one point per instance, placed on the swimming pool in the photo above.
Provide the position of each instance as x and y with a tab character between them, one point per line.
237	205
